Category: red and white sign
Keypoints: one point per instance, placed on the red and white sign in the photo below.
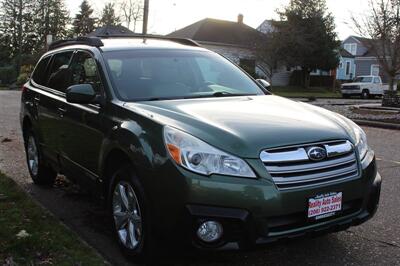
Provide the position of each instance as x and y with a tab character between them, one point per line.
324	206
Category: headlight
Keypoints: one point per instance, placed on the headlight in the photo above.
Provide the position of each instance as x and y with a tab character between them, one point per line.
361	141
198	156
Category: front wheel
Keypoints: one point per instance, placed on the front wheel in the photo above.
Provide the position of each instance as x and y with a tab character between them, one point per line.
365	94
127	210
40	172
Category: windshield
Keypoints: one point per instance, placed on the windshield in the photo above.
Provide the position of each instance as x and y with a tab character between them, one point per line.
363	79
157	75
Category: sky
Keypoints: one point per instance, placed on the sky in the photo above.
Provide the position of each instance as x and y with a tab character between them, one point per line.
166	16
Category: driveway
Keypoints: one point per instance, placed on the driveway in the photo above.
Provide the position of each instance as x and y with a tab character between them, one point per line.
376	242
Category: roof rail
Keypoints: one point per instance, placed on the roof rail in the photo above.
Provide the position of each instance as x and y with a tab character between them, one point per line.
91	41
183	41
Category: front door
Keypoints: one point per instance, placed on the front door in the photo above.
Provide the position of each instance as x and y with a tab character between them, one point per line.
83	135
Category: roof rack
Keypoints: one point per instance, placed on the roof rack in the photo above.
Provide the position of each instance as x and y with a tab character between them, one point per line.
183	41
91	41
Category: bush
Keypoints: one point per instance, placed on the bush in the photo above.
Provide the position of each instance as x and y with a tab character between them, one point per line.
22	78
24	74
8	75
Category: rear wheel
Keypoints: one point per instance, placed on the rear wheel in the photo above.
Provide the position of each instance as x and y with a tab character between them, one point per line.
365	94
40	172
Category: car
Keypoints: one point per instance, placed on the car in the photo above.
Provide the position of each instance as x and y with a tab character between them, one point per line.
364	86
187	150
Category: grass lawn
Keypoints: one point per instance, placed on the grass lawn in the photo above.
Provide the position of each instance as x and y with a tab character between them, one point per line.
45	240
2	88
299	92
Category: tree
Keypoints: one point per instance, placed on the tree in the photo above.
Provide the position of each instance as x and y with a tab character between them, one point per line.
305	37
84	23
52	18
17	28
132	12
108	16
382	32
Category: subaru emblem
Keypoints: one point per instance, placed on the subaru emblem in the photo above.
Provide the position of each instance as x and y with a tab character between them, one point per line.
317	154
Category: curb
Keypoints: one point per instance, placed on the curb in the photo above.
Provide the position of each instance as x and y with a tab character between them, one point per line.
377	124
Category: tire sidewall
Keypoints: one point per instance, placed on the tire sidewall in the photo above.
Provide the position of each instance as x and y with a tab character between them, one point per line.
126	173
29	133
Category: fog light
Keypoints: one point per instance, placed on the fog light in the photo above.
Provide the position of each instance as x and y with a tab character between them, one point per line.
210	231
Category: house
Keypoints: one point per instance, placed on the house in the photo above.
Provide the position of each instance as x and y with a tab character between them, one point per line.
234	40
366	62
347	68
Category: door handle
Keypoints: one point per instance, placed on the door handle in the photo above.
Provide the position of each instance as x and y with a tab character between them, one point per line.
36	98
61	111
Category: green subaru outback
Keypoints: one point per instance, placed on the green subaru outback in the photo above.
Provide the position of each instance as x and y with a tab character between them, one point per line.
187	149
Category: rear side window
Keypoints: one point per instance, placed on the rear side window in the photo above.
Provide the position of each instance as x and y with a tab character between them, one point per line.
59	75
39	76
84	71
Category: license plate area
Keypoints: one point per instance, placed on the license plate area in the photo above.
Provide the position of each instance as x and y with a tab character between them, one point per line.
325	205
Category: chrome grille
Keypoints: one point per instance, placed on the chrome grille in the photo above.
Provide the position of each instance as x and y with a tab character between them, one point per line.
290	167
351	87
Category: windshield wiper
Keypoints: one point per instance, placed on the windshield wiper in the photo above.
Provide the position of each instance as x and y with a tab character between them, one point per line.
227	93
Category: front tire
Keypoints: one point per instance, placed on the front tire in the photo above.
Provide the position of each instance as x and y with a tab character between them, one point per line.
40	172
365	94
128	216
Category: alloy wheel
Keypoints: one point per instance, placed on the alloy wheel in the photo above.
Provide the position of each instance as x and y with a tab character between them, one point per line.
33	156
127	215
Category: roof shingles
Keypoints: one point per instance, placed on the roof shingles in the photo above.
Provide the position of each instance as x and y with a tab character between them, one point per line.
219	31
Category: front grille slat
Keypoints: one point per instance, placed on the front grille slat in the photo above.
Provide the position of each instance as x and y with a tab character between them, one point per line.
276	169
290	173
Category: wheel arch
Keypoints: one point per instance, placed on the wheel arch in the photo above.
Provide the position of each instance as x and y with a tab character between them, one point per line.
114	158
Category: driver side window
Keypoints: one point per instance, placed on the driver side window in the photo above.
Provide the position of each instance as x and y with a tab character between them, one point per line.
84	71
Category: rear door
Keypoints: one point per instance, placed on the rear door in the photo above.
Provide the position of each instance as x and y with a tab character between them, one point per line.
50	100
83	133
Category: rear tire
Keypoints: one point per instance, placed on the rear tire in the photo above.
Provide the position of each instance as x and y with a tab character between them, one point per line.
40	172
129	218
365	94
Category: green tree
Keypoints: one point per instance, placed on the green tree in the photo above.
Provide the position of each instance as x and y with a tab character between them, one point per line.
84	21
17	28
305	37
52	19
108	16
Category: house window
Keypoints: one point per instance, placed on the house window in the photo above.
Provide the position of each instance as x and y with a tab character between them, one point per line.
348	68
341	65
374	70
351	48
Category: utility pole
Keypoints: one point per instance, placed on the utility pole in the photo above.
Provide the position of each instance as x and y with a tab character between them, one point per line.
145	16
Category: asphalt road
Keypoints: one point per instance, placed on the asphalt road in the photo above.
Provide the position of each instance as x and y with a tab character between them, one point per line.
376	242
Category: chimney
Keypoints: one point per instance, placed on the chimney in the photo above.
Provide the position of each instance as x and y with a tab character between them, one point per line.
240	19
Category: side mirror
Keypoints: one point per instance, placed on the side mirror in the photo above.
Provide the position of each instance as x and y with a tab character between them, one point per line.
81	93
264	83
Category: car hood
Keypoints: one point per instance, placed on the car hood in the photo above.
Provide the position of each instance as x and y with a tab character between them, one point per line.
353	84
244	126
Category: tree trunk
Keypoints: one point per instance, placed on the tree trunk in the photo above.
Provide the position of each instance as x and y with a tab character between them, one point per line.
306	74
391	83
20	20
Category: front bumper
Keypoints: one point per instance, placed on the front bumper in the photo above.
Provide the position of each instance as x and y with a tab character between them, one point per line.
351	92
255	211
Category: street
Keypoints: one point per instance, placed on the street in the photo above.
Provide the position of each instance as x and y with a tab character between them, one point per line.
376	242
